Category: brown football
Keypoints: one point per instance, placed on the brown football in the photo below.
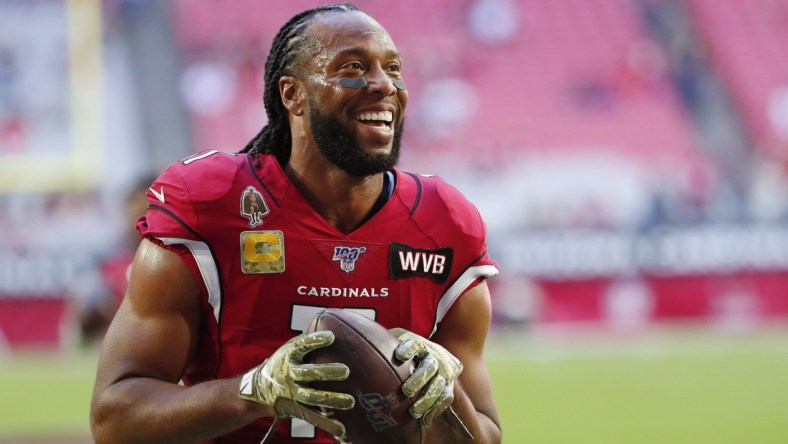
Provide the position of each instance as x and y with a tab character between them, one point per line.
380	414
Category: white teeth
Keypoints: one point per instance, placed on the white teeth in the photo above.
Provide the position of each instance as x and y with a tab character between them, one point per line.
385	116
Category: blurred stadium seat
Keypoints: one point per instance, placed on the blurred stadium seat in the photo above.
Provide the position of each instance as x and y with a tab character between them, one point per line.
746	42
574	75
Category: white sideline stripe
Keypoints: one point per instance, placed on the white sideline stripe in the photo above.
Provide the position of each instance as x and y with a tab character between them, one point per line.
525	348
208	270
459	286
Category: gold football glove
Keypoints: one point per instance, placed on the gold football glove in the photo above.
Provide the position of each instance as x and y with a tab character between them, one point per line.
281	382
436	371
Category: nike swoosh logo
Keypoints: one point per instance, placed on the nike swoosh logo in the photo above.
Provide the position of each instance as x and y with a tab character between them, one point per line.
159	194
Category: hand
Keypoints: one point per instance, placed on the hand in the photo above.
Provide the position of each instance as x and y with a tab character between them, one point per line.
436	371
281	382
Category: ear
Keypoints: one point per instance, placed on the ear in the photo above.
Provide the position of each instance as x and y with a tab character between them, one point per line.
292	93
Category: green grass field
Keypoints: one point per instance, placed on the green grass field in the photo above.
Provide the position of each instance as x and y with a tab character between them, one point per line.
675	386
45	395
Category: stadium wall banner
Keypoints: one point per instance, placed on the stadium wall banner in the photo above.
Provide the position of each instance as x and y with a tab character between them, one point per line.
662	251
730	275
733	275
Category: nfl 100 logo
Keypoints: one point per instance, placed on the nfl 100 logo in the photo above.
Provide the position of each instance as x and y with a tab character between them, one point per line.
347	257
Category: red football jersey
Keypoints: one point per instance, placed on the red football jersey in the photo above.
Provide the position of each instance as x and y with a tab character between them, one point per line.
268	261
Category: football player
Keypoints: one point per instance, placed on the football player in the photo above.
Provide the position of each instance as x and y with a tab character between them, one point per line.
208	344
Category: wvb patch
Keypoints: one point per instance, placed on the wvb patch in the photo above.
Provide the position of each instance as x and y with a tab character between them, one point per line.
347	257
406	261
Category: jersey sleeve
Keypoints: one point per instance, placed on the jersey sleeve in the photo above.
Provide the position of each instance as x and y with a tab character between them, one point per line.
170	214
462	226
457	224
171	223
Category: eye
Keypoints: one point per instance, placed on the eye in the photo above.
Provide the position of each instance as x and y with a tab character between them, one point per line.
394	67
357	66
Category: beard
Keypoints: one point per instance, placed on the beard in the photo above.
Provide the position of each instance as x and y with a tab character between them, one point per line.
339	145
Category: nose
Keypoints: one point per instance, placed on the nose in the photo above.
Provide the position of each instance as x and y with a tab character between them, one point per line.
380	82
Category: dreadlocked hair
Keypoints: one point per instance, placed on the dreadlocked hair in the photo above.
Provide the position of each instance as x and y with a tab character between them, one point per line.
274	138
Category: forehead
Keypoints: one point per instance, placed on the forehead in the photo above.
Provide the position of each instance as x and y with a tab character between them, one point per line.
349	31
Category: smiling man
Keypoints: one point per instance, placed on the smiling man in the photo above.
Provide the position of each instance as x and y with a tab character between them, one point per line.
208	344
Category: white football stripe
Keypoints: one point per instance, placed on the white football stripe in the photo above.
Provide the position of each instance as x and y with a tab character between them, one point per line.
208	269
459	286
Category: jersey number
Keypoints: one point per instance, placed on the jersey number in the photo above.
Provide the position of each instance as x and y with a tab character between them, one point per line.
299	321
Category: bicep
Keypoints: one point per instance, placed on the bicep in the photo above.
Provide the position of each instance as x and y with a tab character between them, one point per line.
155	328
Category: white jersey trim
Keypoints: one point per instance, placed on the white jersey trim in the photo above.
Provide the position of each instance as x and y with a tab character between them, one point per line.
459	287
208	270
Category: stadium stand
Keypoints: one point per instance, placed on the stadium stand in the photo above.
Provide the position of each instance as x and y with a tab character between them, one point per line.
747	42
573	75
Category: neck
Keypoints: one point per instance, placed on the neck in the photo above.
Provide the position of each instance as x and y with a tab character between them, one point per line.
340	198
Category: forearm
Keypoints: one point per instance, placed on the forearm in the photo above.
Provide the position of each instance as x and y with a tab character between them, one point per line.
484	429
146	410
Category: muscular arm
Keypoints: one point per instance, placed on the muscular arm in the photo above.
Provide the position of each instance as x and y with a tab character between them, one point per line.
136	397
463	332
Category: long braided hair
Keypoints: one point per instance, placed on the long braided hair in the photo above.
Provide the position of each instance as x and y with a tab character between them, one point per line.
274	138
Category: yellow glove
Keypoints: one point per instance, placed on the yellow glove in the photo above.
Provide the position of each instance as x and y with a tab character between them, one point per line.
436	371
282	383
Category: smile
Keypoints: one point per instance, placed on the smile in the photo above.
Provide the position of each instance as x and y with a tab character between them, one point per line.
379	120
